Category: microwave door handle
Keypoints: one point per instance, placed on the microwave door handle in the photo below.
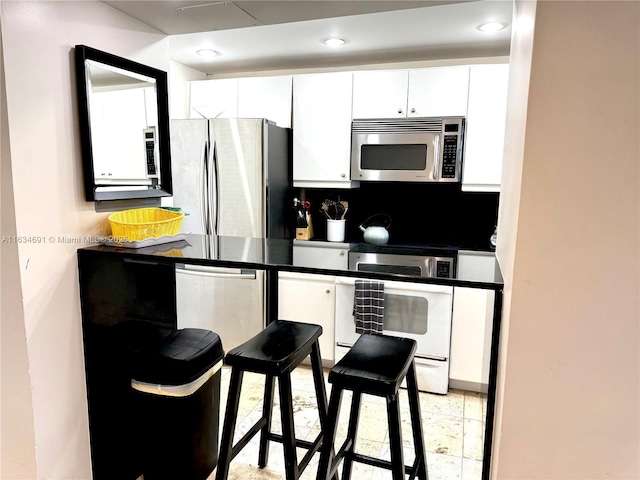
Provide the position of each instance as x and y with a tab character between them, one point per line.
436	157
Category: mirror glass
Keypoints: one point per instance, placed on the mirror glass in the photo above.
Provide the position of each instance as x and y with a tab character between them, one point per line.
124	127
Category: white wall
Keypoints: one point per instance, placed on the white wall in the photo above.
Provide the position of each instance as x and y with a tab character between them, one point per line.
179	77
17	437
569	245
38	39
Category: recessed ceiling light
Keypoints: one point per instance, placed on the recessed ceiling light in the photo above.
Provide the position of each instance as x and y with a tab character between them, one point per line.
491	27
334	41
207	52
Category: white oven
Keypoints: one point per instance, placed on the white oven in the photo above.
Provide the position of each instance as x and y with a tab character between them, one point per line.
412	310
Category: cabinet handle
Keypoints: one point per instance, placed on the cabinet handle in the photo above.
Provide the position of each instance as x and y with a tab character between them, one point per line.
140	262
342	254
343	175
399	110
327	291
413	110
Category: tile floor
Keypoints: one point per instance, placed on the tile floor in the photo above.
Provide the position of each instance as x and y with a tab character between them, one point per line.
453	428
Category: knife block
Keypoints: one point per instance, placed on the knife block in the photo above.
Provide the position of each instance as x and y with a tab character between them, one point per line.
305	233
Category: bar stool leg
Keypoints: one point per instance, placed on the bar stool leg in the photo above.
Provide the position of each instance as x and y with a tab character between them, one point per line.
226	444
267	412
395	437
318	381
354	417
321	391
288	432
416	423
326	451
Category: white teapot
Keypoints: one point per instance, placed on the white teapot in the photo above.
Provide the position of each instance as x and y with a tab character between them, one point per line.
376	234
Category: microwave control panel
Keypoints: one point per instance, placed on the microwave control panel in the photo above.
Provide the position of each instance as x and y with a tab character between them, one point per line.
450	156
150	151
452	134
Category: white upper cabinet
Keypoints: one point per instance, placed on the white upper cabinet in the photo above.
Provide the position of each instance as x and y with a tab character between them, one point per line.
214	98
438	92
322	130
482	165
266	97
247	97
424	92
380	94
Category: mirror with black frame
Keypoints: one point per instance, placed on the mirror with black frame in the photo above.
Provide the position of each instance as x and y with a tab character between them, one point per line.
124	127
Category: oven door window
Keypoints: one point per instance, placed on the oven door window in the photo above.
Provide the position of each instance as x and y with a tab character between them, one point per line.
394	157
406	314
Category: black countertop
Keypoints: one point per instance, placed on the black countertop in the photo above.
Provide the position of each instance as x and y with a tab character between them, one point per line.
475	269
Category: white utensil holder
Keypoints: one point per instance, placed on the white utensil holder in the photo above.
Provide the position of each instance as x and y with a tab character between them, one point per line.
335	230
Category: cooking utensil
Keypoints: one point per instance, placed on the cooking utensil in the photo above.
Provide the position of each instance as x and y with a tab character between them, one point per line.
346	207
325	209
334	210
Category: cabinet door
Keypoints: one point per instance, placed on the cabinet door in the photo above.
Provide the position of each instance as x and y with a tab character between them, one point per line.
266	97
321	257
214	98
482	165
302	299
380	94
471	339
127	305
438	92
322	130
118	121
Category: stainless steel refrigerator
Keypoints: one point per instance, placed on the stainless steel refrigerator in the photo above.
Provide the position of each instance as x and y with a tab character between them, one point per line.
232	176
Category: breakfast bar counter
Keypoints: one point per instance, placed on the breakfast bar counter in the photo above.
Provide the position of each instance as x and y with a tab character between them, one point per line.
128	300
277	255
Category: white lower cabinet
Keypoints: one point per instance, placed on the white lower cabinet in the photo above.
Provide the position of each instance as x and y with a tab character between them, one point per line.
310	299
471	339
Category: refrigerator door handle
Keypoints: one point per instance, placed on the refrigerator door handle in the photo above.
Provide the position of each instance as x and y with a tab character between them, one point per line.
204	191
213	182
201	271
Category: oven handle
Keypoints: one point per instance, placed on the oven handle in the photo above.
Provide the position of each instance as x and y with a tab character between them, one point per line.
437	358
412	287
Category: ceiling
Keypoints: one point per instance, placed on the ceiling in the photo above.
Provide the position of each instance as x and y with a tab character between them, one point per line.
280	35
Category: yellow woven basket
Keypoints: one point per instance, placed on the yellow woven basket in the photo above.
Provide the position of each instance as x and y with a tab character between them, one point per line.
143	223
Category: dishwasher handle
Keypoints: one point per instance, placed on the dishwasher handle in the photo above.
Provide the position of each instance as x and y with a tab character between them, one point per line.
212	272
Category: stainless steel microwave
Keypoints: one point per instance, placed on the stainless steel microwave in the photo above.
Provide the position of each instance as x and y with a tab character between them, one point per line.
407	149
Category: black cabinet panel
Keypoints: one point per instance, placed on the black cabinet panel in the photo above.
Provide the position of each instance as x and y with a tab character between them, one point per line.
126	305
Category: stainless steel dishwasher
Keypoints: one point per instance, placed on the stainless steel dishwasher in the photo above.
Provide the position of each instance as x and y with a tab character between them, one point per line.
227	301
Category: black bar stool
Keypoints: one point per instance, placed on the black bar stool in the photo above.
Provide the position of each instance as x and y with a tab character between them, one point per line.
376	365
274	352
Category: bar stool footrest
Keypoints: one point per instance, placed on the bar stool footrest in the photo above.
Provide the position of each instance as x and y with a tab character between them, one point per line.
380	463
246	438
